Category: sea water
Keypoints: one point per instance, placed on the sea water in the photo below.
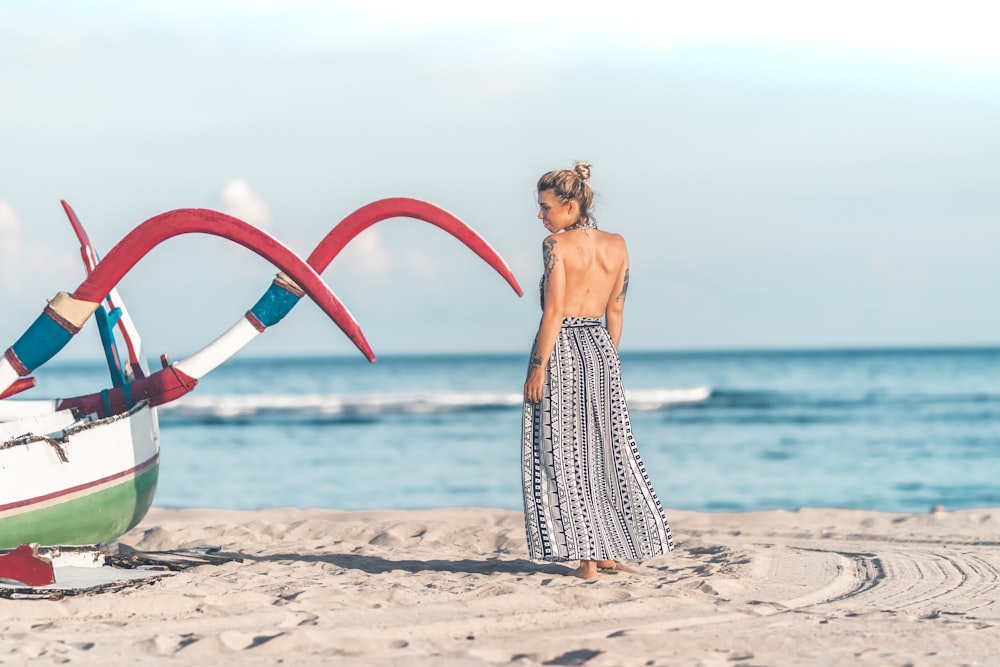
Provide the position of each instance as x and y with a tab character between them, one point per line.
896	430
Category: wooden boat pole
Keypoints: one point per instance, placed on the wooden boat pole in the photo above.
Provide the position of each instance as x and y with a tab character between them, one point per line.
136	360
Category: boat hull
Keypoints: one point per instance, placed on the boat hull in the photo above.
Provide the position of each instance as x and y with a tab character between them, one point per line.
82	483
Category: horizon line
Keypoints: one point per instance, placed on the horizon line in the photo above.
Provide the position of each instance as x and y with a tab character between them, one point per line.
844	349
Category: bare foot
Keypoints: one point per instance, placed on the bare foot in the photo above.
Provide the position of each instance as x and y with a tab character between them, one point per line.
587	570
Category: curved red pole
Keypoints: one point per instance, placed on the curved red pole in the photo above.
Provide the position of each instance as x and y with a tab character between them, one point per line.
169	384
405	207
89	261
157	229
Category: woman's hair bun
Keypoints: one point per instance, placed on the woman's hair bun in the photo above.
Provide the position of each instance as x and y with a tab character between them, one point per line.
571	185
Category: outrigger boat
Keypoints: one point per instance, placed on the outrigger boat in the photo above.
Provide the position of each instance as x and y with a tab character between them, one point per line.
83	470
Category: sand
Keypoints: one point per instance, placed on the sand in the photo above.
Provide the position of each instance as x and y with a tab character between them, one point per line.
454	587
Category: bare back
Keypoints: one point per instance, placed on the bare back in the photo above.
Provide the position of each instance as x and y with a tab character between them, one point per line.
595	267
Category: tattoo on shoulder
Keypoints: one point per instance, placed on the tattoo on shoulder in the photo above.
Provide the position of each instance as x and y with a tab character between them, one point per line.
549	255
621	297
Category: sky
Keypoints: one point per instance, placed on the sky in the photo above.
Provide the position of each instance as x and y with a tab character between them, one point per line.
786	174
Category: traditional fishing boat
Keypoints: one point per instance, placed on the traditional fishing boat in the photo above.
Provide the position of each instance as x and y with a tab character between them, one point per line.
83	470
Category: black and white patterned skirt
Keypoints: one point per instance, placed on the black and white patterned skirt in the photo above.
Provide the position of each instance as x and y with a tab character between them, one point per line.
586	491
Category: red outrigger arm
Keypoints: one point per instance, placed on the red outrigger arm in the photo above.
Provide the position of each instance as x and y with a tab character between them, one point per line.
154	231
66	313
405	207
171	382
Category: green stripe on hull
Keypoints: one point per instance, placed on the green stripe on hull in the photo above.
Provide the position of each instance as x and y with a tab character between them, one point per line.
99	517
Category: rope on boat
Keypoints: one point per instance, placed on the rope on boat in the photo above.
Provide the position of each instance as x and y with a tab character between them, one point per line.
58	442
29	438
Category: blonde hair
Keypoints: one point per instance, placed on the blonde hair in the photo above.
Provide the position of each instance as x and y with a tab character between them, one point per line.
572	185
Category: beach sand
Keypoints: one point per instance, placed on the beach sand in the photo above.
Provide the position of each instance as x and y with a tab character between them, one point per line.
454	587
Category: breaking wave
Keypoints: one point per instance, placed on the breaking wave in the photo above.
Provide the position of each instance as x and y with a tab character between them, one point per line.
199	408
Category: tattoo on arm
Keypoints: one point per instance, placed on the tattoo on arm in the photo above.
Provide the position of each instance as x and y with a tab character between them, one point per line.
621	297
536	359
549	255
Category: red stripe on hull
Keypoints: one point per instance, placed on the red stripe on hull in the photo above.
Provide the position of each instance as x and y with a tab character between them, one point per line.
142	467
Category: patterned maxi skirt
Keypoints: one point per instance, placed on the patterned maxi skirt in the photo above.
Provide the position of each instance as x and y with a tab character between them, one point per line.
586	491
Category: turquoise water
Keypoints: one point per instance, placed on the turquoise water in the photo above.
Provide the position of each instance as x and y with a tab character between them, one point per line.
896	430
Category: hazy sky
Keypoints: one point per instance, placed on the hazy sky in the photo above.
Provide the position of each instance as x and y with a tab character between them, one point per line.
792	173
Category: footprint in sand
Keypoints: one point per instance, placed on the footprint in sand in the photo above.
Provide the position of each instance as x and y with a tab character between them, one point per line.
590	595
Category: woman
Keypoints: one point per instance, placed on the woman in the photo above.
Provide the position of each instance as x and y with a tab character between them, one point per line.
586	493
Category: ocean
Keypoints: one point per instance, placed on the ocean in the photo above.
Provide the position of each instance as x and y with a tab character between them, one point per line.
899	430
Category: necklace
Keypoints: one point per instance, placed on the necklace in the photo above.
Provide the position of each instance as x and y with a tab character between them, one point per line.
582	224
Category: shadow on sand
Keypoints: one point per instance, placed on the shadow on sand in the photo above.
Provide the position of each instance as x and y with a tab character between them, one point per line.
378	565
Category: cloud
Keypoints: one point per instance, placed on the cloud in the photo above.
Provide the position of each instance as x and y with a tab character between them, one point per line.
423	264
10	231
366	255
21	260
10	246
8	219
240	201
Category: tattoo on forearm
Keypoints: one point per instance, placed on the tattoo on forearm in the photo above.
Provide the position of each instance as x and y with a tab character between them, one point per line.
536	359
621	297
549	255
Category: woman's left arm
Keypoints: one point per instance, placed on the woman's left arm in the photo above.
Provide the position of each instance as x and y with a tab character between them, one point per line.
616	304
552	316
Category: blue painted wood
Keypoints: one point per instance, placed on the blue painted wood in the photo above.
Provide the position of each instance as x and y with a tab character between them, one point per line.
274	305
